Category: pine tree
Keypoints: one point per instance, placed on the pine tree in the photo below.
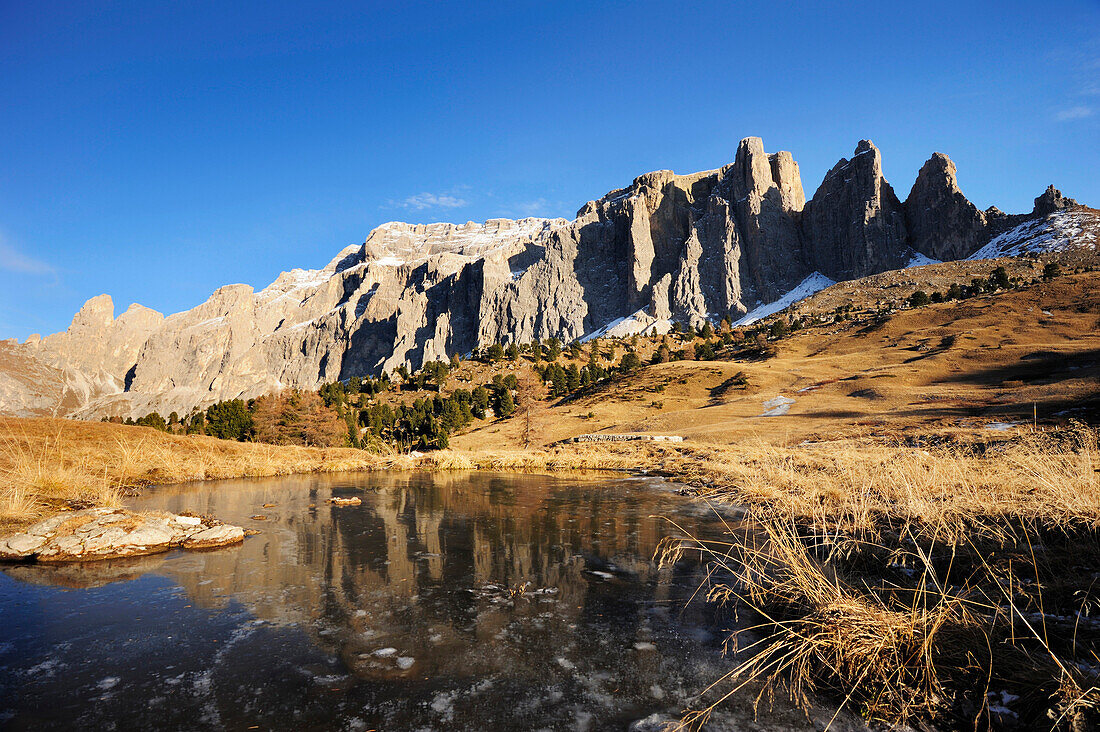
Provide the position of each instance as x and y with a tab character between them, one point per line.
630	362
506	405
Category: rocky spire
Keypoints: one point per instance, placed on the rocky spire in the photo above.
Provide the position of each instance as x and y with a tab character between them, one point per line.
942	223
855	224
766	196
1052	200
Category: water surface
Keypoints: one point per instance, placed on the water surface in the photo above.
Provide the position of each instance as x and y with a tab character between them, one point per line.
444	601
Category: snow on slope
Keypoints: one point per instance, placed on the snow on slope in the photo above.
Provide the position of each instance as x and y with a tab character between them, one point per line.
639	323
1058	232
812	284
396	242
919	260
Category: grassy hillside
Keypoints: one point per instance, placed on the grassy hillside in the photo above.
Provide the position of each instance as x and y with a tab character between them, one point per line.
1011	356
51	464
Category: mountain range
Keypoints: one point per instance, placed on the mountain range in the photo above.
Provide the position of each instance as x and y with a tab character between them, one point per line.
738	242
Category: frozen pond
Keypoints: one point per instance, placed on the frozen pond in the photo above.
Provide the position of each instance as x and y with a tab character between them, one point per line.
444	601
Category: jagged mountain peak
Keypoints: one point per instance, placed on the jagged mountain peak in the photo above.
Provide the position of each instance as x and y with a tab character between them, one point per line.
96	311
688	247
854	224
865	146
943	224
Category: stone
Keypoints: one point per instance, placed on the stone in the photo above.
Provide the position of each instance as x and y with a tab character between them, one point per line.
353	501
106	533
220	535
20	546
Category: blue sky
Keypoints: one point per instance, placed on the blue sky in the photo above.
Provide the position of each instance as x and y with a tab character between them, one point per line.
155	151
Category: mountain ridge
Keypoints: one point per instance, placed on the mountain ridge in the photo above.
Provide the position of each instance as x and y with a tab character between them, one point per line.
667	247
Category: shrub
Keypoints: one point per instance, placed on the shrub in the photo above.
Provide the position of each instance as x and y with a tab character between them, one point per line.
919	298
229	420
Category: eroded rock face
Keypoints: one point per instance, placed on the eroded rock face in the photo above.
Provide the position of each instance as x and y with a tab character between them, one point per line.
690	248
1052	200
855	225
111	533
942	223
766	192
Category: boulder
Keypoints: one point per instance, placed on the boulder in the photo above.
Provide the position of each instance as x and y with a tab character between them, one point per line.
110	533
220	535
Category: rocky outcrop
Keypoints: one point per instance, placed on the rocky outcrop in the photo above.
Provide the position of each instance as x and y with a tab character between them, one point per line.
855	225
1052	200
111	533
688	248
942	222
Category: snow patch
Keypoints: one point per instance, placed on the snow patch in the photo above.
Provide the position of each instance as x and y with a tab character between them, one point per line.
777	407
639	323
1058	232
395	242
816	282
919	260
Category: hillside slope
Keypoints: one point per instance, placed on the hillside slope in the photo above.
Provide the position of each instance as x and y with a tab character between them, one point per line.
994	361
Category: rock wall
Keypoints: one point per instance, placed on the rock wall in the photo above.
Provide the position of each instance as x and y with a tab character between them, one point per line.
667	247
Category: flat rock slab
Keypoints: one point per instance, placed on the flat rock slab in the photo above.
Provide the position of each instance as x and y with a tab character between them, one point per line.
110	533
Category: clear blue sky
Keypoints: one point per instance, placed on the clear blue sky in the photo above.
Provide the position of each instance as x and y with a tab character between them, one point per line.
157	150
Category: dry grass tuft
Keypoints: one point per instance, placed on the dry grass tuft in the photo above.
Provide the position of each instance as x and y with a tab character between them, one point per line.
865	486
937	643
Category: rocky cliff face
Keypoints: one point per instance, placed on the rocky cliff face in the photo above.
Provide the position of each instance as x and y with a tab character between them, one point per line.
855	225
942	223
667	247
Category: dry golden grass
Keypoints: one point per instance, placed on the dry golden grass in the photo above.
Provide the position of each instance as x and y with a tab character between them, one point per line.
1036	479
928	650
49	464
1001	357
909	583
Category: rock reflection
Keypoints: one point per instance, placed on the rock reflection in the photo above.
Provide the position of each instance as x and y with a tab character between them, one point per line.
445	601
432	570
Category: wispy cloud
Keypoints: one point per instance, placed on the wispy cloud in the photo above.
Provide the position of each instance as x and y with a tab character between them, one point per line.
421	201
12	260
1072	113
539	207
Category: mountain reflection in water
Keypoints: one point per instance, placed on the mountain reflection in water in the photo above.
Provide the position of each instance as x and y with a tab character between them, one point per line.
444	601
